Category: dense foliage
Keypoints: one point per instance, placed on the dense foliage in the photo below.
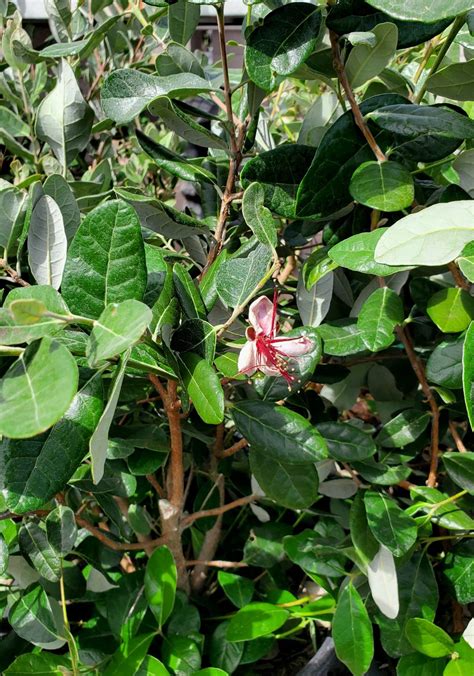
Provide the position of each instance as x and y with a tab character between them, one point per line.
183	492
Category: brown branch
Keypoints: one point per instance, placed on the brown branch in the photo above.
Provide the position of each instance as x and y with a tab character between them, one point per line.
14	276
358	117
457	439
290	265
216	511
419	371
238	446
152	480
458	277
218	564
118	546
13	516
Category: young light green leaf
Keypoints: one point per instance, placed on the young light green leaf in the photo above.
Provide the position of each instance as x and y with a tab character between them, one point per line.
352	632
106	260
366	61
257	216
429	639
254	620
47	242
119	326
40	384
452	309
237	588
380	314
203	386
434	236
64	119
99	440
358	253
160	583
130	655
386	186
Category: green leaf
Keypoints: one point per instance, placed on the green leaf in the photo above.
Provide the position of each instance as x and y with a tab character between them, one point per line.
64	119
160	584
41	385
417	665
468	373
279	433
257	216
182	123
238	278
195	335
32	617
367	61
428	639
129	656
289	485
282	42
390	525
358	253
15	328
45	467
386	186
451	309
181	655
106	260
256	619
460	467
280	172
462	661
352	632
61	529
238	589
38	551
41	664
306	551
418	593
458	569
448	515
177	59
223	653
444	366
57	187
98	442
404	428
346	442
4	555
341	339
434	236
203	387
183	19
188	293
364	542
174	164
126	92
317	266
118	327
379	315
325	187
411	10
409	120
454	81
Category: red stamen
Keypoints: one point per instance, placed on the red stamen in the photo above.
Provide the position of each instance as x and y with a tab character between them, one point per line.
273	357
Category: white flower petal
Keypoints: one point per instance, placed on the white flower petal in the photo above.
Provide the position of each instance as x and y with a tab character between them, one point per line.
248	358
261	315
383	582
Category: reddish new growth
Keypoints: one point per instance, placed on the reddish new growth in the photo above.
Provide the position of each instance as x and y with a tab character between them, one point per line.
263	351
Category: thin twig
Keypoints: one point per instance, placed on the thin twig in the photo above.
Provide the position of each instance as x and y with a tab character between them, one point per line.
117	546
216	511
456	438
238	446
151	478
14	276
458	277
218	564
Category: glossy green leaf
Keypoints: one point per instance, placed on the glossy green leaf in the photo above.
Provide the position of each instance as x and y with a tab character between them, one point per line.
99	440
203	387
278	432
444	366
106	260
411	10
386	186
433	236
254	620
346	442
390	525
238	278
458	569
379	315
181	655
462	661
160	584
289	485
367	61
195	335
182	123
129	656
404	428
451	309
460	467
43	663
410	120
118	327
64	119
417	665
188	293
341	339
32	618
257	216
238	589
127	92
358	253
284	40
449	515
352	632
428	639
41	384
38	551
468	373
61	529
364	542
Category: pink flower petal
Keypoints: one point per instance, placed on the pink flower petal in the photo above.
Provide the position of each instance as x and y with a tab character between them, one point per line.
248	358
261	314
269	370
293	347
